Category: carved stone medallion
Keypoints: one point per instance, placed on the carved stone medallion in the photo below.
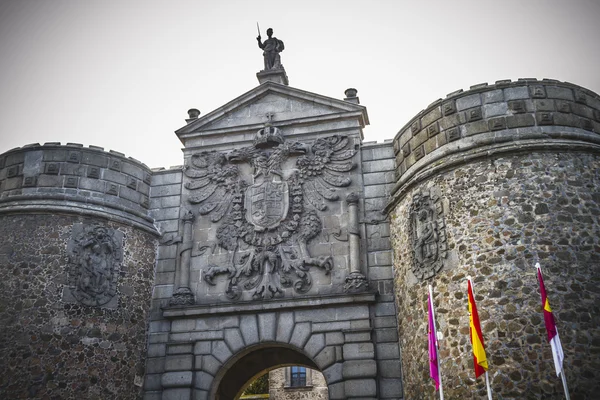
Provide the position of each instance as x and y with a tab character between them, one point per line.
95	256
427	234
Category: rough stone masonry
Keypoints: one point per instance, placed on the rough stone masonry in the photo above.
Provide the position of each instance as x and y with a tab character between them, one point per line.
285	239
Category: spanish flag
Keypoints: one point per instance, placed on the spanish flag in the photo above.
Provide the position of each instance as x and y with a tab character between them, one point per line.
557	351
479	358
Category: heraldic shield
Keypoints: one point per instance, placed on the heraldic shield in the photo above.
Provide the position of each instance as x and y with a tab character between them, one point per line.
267	204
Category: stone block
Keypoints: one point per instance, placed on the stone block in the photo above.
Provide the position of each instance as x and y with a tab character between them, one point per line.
95	159
233	338
330	326
359	369
386	335
389	369
384	322
543	104
493	96
520	120
496	124
379	273
378	178
267	324
514	93
315	315
220	351
156	350
449	107
493	110
301	334
336	391
383	152
349	313
315	344
162	292
155	365
359	351
388	351
203	347
467	102
285	326
210	364
179	362
152	382
165	190
176	379
333	373
177	394
327	357
217	323
249	329
200	394
183	325
557	92
165	265
431	116
360	388
390	388
203	380
356	337
544	118
474	114
152	396
378	166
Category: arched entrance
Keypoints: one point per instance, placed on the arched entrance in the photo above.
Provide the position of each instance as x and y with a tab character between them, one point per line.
233	377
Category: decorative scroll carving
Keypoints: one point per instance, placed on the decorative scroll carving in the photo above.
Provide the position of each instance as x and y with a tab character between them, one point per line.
428	235
95	256
267	224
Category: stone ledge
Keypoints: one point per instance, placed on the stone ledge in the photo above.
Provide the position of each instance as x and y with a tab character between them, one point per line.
279	305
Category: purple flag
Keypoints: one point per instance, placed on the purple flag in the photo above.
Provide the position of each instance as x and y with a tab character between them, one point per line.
433	366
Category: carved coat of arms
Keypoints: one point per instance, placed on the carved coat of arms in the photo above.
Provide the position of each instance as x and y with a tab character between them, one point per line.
95	255
428	235
268	222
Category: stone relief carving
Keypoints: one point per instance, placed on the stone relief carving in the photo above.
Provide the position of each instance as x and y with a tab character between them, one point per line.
95	256
428	234
268	222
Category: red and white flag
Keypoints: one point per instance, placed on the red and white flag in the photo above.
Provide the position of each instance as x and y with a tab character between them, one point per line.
557	351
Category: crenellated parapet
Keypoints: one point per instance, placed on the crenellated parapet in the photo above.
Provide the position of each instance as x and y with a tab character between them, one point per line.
520	116
75	179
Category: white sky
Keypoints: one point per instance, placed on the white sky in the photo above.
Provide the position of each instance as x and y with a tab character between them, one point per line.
122	74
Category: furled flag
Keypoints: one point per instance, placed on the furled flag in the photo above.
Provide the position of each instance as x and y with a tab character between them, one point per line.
433	356
557	351
479	358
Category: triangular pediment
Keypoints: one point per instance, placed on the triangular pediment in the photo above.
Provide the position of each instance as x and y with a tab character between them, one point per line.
287	105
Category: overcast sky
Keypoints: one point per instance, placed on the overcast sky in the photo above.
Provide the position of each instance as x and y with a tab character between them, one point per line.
122	74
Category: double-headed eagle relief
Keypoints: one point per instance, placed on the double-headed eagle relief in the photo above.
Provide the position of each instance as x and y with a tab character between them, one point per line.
268	219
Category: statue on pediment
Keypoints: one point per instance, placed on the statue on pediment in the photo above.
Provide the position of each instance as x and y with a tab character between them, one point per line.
271	49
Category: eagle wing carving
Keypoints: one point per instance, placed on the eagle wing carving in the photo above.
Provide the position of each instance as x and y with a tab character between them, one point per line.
215	184
323	171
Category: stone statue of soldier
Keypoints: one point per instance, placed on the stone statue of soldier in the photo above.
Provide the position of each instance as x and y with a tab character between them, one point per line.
271	49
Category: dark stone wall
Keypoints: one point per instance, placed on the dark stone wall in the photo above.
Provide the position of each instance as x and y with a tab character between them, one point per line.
50	349
501	215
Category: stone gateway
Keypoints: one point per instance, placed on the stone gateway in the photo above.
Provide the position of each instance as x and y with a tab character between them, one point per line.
285	240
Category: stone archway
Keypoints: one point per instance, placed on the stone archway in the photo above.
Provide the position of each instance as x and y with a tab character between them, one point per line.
230	382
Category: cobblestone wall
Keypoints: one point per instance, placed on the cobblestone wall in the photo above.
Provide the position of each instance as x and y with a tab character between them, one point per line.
50	349
316	388
501	215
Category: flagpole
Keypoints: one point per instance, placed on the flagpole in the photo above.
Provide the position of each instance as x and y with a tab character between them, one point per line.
562	371
437	349
564	381
487	379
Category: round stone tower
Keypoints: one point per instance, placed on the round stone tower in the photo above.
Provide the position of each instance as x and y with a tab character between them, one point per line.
76	269
489	182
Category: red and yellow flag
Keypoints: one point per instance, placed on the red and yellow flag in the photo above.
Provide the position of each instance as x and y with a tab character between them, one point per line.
479	357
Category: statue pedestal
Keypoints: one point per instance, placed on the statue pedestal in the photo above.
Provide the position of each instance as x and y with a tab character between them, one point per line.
273	75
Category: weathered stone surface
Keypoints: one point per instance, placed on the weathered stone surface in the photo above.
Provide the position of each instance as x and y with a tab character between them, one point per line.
504	215
59	350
